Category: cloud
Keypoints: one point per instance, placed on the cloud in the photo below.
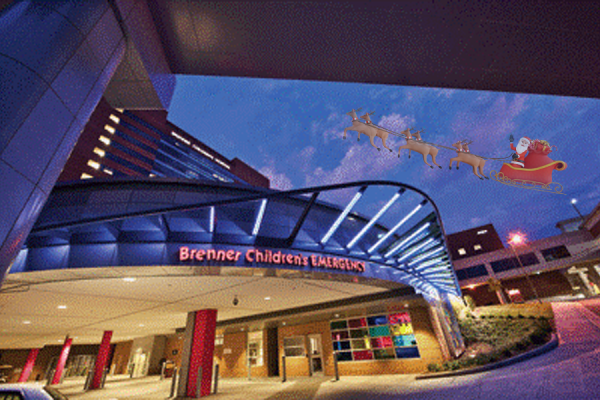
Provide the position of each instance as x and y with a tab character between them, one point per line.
396	122
278	180
447	93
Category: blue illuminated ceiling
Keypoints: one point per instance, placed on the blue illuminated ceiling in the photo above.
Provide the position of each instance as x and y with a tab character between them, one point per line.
392	227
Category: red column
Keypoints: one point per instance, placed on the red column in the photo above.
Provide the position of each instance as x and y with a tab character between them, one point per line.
33	353
201	352
101	360
62	360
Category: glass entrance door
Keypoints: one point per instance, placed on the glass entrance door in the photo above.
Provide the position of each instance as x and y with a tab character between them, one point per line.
316	353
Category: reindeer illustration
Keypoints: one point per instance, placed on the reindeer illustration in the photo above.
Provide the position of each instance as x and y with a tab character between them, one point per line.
422	148
381	133
361	127
471	159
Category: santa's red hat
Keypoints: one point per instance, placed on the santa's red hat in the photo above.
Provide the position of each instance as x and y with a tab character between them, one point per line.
525	137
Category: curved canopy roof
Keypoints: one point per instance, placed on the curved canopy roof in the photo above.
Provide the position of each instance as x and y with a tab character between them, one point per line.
384	230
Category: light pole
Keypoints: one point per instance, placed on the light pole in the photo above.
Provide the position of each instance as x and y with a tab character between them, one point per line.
516	239
573	202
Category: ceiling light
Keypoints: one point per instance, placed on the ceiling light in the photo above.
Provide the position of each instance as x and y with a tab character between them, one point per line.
267	298
129	279
284	323
26	322
62	307
141	325
337	315
243	328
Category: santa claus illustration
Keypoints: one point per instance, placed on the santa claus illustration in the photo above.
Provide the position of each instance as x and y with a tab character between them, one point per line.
521	150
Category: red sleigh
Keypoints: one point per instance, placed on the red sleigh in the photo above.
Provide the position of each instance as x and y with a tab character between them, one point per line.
537	173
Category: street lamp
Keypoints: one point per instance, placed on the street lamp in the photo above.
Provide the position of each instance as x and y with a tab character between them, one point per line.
573	202
516	239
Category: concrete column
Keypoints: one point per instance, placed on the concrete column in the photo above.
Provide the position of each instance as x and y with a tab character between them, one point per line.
62	361
101	360
198	351
33	353
56	59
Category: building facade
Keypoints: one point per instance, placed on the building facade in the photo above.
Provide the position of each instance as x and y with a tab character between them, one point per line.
133	143
562	266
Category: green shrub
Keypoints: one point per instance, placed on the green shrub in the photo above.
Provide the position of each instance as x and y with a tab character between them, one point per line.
433	367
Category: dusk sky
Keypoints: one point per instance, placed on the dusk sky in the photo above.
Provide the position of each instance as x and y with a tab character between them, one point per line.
292	132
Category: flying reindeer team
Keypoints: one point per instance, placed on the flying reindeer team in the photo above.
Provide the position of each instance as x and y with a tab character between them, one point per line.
414	142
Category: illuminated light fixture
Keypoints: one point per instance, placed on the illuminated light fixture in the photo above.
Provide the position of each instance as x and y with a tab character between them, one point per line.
86	176
374	219
425	255
267	298
62	307
114	118
108	171
99	151
483	232
415	249
395	228
343	215
110	129
222	163
27	322
284	323
181	138
104	140
211	220
93	164
427	263
120	110
129	279
408	239
259	217
203	152
141	325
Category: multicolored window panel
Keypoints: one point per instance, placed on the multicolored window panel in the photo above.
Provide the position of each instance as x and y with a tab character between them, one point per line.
375	337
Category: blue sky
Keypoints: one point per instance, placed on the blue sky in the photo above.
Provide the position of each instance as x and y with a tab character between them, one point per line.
292	132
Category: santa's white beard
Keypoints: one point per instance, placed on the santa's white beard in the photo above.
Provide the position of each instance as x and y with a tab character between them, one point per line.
522	148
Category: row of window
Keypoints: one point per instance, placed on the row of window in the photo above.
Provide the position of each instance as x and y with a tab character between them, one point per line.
506	264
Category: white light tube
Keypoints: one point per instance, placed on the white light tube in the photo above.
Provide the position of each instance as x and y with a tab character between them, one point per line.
408	239
343	215
259	217
394	229
425	255
415	249
373	220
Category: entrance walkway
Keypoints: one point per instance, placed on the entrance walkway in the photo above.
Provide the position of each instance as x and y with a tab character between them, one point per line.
572	371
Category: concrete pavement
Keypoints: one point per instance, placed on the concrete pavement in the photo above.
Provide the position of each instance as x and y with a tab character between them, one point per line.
572	371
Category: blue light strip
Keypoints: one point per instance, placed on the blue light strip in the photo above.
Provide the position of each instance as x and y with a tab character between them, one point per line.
374	219
427	263
342	216
395	228
425	243
408	239
259	217
211	220
425	255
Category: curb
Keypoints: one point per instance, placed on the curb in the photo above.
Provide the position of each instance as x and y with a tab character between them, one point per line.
551	345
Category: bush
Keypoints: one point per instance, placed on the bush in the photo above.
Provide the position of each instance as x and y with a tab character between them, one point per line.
433	367
451	365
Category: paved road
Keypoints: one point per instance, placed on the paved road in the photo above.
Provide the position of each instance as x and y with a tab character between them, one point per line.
572	371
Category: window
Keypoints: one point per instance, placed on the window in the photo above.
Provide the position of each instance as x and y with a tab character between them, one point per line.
504	265
255	349
99	151
471	272
294	346
482	232
104	140
109	128
219	340
114	118
462	251
93	164
86	176
555	253
376	337
477	247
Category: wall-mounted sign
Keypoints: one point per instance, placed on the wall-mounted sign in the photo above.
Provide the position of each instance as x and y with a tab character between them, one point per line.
270	257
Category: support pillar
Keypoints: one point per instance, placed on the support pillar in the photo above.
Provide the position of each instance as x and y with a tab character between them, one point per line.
101	360
56	60
33	353
62	361
198	351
